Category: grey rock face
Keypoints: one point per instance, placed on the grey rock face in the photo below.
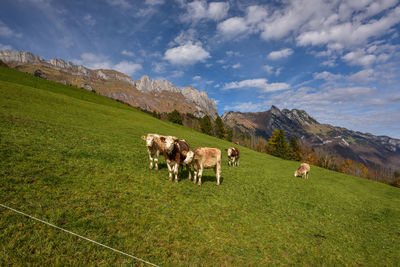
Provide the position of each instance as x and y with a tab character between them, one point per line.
205	104
9	56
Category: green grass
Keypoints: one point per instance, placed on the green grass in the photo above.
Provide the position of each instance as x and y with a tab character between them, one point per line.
76	159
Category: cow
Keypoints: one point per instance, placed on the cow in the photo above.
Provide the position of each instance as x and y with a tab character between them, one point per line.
154	146
175	151
204	158
233	156
303	170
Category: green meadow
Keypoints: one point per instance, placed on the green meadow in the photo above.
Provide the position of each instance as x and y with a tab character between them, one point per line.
76	159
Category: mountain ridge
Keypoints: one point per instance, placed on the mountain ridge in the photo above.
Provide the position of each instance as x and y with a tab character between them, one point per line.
150	95
365	148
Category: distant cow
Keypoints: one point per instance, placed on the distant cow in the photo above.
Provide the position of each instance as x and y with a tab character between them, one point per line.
233	156
303	170
175	151
204	158
154	147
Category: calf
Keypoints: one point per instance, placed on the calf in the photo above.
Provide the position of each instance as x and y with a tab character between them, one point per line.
175	151
303	170
154	147
204	158
233	156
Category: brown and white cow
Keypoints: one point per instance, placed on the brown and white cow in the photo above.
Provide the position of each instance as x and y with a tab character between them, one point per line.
175	151
204	158
154	146
303	170
233	156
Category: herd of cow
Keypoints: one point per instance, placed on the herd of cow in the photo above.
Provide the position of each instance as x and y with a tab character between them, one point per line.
177	152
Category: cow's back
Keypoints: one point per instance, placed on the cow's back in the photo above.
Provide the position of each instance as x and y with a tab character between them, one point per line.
208	157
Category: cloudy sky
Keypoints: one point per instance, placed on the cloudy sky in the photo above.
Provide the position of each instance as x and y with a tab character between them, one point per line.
338	60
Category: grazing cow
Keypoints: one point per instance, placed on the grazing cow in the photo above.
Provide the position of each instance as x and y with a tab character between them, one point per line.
154	147
204	158
175	153
303	170
233	156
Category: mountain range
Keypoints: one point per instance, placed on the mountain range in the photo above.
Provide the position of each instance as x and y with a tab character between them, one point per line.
371	150
163	96
146	94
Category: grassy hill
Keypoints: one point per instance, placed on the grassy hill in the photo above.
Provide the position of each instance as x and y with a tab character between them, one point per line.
76	159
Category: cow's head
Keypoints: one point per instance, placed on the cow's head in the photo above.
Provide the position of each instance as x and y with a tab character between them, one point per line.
296	173
149	139
189	157
169	142
229	151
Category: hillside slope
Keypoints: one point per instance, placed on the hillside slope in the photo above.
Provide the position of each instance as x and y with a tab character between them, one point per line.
370	150
75	159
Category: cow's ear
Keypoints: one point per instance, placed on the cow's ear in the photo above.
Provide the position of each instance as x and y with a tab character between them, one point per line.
143	137
184	153
176	140
162	138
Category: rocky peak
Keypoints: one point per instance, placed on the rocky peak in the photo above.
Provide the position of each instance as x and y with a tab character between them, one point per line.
300	116
9	56
205	105
274	110
144	84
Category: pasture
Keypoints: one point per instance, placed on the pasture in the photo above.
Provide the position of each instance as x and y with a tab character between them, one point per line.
77	160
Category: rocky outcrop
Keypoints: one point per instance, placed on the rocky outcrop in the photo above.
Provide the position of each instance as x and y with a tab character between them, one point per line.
151	95
205	105
8	56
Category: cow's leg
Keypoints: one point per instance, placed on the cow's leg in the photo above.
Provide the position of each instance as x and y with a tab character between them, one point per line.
170	170
156	159
195	175
176	168
151	161
189	171
217	170
200	175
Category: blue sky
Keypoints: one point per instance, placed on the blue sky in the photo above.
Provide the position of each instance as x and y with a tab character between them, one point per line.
338	60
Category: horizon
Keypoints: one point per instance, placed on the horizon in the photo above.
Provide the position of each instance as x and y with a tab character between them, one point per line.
337	61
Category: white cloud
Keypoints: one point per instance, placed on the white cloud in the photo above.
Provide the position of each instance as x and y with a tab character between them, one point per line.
93	61
327	76
7	32
119	3
236	66
359	58
127	67
89	20
261	84
127	53
233	27
275	55
187	54
5	47
196	78
272	70
198	10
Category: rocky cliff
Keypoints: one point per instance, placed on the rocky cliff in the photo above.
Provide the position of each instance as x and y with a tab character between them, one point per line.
366	148
147	94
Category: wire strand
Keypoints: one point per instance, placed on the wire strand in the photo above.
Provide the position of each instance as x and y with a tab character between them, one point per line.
72	233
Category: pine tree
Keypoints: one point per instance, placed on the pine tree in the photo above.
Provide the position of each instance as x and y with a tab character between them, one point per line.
219	127
277	145
205	125
175	117
294	149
